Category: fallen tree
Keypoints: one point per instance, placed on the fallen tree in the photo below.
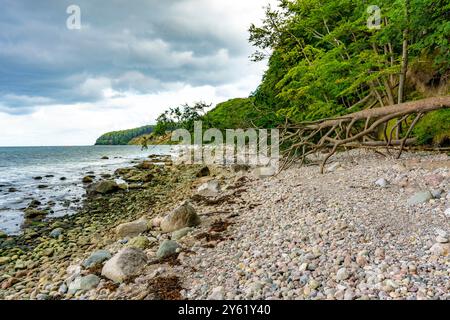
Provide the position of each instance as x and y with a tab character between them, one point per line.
359	129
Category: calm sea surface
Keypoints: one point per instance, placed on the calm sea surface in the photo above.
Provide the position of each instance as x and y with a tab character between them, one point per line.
61	170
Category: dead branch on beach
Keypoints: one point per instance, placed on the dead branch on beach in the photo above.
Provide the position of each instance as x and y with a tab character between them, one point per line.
356	130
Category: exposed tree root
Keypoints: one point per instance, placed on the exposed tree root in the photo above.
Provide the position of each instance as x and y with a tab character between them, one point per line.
359	129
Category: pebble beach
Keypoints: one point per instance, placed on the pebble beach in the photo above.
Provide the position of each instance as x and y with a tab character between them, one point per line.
370	228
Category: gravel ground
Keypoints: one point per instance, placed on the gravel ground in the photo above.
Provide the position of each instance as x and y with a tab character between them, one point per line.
370	228
333	236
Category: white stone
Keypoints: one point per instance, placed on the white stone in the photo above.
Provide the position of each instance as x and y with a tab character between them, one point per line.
382	183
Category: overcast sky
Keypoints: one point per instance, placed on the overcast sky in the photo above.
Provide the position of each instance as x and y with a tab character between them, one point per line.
129	62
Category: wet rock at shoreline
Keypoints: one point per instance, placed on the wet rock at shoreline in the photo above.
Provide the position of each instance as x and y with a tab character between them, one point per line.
146	165
103	187
34	204
132	229
182	217
32	213
124	265
88	179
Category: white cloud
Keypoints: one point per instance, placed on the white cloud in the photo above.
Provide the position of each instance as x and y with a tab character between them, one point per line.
81	124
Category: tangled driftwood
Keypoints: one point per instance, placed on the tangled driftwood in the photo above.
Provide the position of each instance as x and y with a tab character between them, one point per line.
359	129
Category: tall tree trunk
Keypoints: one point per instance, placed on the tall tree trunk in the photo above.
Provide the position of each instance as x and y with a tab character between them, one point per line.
404	67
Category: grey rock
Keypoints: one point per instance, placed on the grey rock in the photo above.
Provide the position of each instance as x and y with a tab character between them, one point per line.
167	249
96	259
437	194
84	283
179	234
63	289
420	197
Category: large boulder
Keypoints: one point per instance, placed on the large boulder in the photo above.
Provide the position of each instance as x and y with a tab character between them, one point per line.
132	229
103	187
182	217
124	265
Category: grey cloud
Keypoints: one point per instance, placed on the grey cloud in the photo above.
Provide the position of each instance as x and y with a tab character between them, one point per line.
141	46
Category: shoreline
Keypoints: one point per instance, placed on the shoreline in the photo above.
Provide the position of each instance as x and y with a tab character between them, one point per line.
299	235
26	258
